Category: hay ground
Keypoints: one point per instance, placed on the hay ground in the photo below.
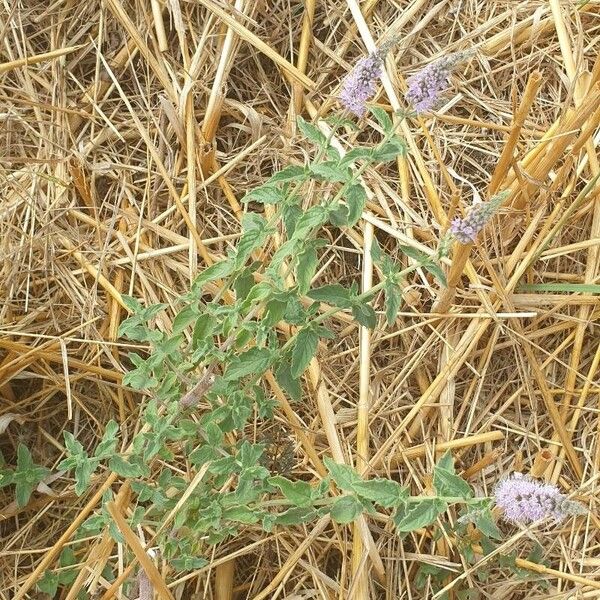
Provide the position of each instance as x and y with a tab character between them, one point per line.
115	117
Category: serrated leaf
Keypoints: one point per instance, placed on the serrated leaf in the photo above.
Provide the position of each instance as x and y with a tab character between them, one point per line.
331	171
449	485
253	361
265	194
83	473
365	315
241	514
48	584
131	303
305	348
290	384
307	266
124	468
296	516
289	173
344	476
310	132
382	118
334	294
312	218
216	271
297	492
484	521
393	299
385	492
446	462
109	440
203	329
184	318
346	509
23	491
360	153
389	150
356	197
421	514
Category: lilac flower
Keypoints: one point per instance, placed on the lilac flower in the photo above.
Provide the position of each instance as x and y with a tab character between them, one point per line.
424	87
360	84
525	500
466	230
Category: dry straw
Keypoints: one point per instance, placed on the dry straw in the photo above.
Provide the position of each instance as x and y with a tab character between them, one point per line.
129	132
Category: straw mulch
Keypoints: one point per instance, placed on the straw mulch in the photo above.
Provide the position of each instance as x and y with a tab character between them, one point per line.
129	131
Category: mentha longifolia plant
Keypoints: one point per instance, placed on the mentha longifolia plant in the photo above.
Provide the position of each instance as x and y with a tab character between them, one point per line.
197	476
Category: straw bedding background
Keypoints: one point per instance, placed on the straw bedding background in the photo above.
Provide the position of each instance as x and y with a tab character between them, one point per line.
129	131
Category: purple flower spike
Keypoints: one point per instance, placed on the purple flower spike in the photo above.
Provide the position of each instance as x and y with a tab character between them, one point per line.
360	84
466	230
525	500
425	87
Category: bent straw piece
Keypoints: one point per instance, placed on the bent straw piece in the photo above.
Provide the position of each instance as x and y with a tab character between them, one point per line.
37	58
255	41
302	62
531	89
135	545
289	564
121	15
93	271
51	555
159	26
466	442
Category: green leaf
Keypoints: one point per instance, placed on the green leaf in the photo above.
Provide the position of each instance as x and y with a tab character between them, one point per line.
331	171
484	521
310	132
393	298
131	303
344	476
420	514
265	194
385	492
389	150
253	361
307	266
365	315
290	214
203	329
305	348
241	514
450	485
290	384
48	584
289	173
83	473
214	435
360	153
382	118
447	462
297	492
124	468
334	294
296	516
312	218
255	233
24	458
109	440
184	318
346	509
356	197
216	271
23	491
